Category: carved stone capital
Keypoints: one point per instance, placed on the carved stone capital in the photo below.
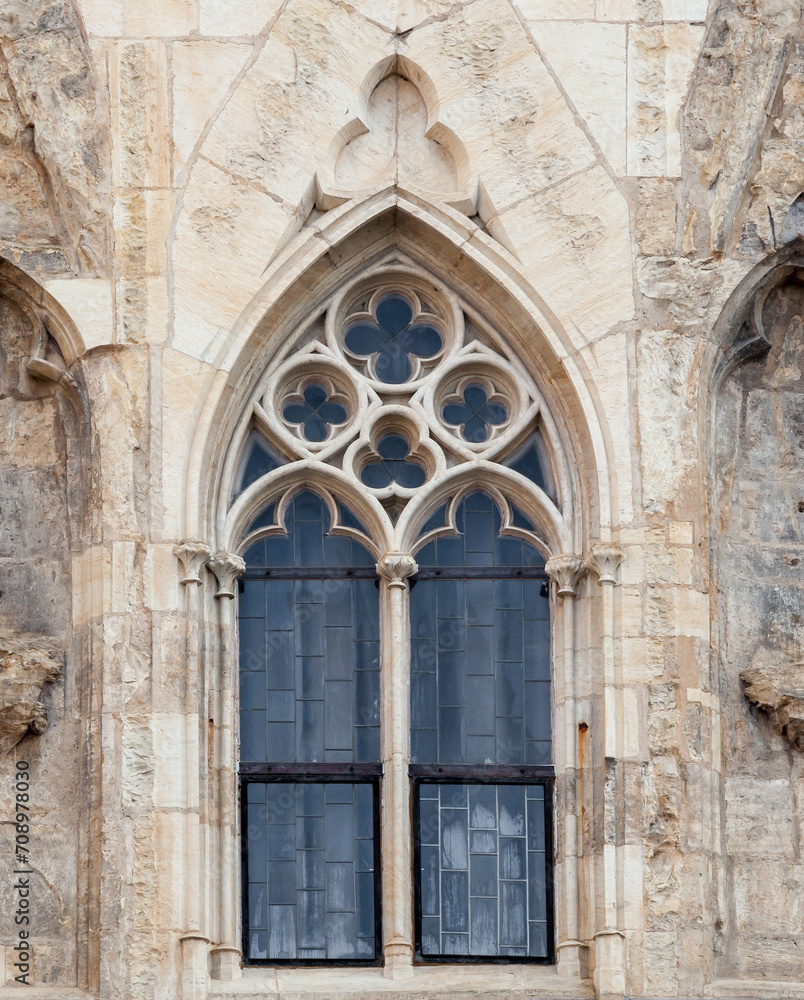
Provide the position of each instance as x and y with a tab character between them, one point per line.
25	668
192	555
566	572
396	567
226	569
604	559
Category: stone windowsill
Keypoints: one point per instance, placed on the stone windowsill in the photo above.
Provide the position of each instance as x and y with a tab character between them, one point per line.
513	982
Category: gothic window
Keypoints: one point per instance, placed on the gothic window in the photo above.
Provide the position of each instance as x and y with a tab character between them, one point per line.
394	496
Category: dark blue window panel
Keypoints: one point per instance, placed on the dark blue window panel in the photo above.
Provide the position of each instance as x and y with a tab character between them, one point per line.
258	460
531	460
483	871
392	466
480	650
310	890
309	650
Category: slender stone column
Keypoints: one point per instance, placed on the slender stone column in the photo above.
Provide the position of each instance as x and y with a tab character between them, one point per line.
397	891
193	556
226	955
566	572
604	560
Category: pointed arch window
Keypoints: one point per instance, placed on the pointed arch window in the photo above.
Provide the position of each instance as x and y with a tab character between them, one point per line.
395	640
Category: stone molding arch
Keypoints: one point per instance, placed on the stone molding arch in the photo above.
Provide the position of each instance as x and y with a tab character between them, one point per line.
396	229
359	235
40	307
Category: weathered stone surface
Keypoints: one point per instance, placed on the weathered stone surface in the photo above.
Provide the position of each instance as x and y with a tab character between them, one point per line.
24	671
53	141
775	684
192	184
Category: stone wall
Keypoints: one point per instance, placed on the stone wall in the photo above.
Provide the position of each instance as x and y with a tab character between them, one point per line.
616	186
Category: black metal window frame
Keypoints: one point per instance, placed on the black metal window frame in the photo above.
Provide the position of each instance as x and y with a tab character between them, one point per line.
312	773
260	773
465	774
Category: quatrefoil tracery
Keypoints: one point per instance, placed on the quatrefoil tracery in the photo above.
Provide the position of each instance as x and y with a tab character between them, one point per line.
395	336
393	399
475	410
315	411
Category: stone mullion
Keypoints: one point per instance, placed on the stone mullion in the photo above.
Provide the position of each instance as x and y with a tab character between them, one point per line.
566	572
226	955
397	888
195	942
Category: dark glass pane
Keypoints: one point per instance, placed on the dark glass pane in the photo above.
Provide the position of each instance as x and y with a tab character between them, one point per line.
484	894
394	314
258	460
392	364
305	888
422	340
474	645
302	644
531	461
364	339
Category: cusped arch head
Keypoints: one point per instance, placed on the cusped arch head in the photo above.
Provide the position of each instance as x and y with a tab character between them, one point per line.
279	487
391	230
550	531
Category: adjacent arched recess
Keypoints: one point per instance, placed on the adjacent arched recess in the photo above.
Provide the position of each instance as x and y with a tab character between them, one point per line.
756	460
45	688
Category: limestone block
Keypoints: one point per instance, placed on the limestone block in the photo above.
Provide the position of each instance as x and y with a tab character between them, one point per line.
102	18
183	381
776	961
236	18
666	363
170	777
89	302
225	236
655	217
590	62
661	963
772	904
202	73
159	578
491	83
661	60
545	10
759	817
573	243
160	18
304	87
652	10
608	374
138	84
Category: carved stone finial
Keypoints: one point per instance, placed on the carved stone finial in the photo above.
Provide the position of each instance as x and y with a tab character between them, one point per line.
396	567
566	572
775	684
226	569
192	555
25	668
604	559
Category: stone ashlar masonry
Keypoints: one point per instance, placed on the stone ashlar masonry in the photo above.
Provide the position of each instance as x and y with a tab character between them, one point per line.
618	186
